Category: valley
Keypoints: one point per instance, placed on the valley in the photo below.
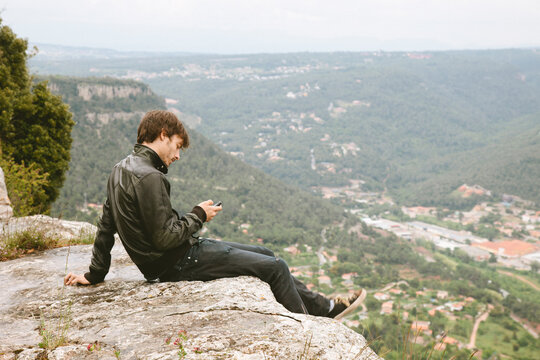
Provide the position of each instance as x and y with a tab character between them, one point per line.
393	177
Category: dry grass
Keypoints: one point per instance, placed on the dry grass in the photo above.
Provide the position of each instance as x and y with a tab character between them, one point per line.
54	327
17	244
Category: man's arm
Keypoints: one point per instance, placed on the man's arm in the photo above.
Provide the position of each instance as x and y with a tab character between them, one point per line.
166	228
101	252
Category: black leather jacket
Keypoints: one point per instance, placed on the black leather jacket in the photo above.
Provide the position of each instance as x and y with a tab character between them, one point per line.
138	208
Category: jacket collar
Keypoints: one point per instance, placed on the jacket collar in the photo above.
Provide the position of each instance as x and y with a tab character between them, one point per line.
147	153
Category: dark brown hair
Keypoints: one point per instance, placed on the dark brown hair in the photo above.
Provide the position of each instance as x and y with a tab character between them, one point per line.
155	121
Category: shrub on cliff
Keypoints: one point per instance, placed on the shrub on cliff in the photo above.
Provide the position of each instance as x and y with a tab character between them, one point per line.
26	186
35	125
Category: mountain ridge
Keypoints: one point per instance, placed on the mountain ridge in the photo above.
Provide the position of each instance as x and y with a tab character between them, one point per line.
417	118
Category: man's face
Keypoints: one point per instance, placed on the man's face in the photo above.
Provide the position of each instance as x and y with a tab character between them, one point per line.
170	149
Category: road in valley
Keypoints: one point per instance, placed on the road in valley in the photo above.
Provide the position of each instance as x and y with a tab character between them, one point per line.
525	326
472	341
520	278
320	255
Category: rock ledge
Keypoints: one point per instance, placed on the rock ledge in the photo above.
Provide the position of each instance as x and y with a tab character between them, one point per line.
235	318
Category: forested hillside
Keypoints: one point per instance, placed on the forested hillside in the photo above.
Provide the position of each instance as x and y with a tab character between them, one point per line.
422	127
355	255
419	124
107	113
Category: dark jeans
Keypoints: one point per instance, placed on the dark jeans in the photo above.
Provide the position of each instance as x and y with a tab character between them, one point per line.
211	259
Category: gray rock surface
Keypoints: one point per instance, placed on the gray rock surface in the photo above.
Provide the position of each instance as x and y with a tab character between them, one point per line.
87	91
6	212
235	318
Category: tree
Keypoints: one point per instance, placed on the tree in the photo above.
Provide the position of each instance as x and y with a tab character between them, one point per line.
487	232
42	135
535	265
372	304
35	125
438	323
13	77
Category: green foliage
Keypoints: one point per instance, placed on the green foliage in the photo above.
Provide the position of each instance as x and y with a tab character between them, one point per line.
446	224
493	335
462	328
488	232
527	309
372	304
535	266
35	126
438	323
26	187
42	136
13	77
394	340
490	218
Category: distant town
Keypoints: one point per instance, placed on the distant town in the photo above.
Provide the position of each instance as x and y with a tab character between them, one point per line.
516	246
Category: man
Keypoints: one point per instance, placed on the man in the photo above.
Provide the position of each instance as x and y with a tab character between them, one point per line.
162	244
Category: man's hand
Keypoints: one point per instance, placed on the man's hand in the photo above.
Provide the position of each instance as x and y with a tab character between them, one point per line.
74	279
210	210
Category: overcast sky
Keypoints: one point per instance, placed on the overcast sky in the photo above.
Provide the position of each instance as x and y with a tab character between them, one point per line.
252	26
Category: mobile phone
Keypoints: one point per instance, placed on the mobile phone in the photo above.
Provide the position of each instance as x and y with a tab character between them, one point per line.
219	203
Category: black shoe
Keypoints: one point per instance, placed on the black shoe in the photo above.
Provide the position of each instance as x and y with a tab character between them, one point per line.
344	306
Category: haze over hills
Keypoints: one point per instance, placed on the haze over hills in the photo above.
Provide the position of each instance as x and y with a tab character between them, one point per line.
361	119
418	124
60	52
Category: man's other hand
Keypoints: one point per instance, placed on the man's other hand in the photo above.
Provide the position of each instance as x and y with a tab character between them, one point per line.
209	209
74	279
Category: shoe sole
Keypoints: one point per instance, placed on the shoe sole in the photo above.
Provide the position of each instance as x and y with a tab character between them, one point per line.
353	306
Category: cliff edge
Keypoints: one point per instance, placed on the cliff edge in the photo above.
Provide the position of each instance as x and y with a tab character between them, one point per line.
128	318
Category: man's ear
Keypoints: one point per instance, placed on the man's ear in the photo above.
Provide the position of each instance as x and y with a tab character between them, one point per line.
163	135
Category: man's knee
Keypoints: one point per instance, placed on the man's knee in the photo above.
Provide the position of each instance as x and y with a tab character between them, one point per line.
266	251
281	266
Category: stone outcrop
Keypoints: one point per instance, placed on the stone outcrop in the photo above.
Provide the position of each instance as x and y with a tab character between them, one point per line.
129	318
6	212
105	118
87	91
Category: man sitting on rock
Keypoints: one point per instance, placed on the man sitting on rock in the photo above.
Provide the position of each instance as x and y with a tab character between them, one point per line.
162	244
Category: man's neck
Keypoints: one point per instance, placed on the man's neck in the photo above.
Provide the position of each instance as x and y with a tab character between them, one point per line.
152	155
151	146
